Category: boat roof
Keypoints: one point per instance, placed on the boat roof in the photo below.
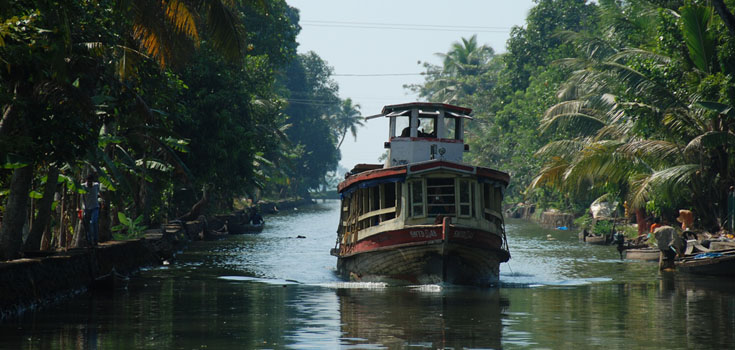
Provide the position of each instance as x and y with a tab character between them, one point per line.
403	170
393	110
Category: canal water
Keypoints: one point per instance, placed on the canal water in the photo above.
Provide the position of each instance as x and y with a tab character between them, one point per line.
277	291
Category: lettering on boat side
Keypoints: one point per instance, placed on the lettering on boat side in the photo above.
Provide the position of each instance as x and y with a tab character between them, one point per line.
464	234
423	233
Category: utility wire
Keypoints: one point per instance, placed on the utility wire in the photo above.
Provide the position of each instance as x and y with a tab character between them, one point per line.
438	29
405	25
376	75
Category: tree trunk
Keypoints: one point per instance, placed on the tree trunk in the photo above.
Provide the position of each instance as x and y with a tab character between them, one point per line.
11	232
640	219
61	237
33	242
80	235
725	14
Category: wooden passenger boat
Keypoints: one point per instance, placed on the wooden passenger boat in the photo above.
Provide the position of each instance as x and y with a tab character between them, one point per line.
424	216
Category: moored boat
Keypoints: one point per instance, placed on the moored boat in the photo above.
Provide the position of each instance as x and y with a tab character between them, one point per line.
720	263
424	216
645	254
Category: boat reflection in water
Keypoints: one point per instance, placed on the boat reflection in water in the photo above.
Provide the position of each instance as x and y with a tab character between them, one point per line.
422	317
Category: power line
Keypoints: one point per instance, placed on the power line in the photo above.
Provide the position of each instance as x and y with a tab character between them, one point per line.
377	75
437	29
415	25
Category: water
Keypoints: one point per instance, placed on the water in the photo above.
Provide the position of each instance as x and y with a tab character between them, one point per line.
276	291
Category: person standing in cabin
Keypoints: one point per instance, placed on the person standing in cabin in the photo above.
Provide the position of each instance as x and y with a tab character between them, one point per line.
91	206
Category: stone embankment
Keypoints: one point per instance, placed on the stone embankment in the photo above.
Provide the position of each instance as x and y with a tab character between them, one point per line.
35	281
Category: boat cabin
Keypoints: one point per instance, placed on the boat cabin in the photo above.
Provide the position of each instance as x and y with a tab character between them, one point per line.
422	131
423	179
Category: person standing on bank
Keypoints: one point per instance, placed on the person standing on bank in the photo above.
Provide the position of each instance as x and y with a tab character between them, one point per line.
91	206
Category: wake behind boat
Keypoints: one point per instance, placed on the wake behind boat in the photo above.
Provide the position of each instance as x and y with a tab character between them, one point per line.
424	216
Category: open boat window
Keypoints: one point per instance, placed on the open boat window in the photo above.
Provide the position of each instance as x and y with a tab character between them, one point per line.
402	125
417	198
451	128
427	126
466	191
440	196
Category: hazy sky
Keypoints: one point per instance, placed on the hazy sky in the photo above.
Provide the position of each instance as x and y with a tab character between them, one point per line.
380	37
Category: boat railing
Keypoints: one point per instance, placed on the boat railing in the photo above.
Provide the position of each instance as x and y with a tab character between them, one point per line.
373	213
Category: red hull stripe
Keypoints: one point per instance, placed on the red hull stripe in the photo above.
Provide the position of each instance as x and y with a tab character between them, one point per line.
423	235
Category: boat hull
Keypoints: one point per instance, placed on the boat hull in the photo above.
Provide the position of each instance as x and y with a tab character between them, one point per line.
460	257
645	254
239	229
723	265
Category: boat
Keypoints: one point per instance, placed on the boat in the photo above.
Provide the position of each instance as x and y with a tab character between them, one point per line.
239	223
424	216
645	254
596	239
720	263
235	228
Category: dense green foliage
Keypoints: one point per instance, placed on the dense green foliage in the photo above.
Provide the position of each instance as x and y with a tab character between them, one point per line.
624	98
165	101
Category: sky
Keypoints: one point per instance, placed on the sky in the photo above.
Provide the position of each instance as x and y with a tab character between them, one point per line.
376	47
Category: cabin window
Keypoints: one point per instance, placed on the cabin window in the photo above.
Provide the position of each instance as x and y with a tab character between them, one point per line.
466	189
389	200
488	195
440	196
427	127
451	128
402	126
492	197
417	198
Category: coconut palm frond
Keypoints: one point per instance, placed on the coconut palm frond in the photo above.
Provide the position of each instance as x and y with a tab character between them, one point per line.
225	28
709	140
601	162
634	53
561	148
685	122
615	131
579	123
638	84
653	151
183	18
671	181
551	174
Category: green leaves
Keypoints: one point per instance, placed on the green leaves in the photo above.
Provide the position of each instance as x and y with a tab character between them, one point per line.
129	228
699	38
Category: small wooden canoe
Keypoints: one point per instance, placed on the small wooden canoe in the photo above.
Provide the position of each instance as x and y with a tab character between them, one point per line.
645	254
234	228
598	240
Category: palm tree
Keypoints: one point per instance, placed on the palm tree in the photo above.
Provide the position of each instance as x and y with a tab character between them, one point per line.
163	29
466	57
167	30
348	118
606	115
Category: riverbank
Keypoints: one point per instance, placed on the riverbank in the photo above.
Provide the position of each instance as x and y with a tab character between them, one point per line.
48	277
53	276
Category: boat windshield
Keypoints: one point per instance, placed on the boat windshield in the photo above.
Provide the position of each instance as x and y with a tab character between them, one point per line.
427	127
451	128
